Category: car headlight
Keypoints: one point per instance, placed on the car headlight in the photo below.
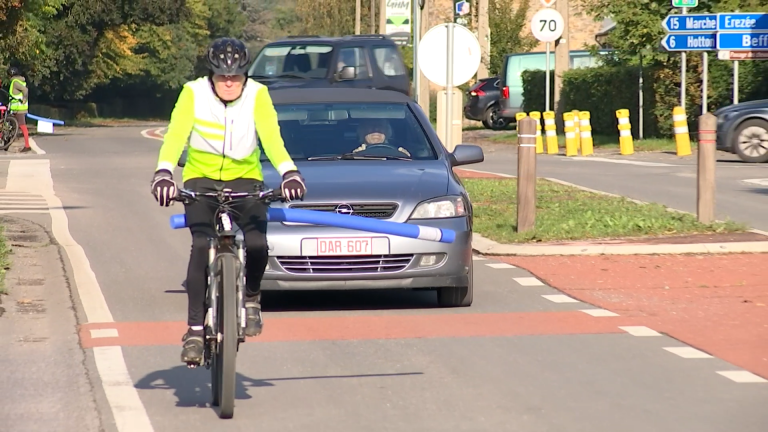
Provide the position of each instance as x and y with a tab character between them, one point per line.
443	207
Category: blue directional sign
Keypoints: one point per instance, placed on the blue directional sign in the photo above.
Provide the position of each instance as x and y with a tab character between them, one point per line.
689	42
742	22
743	41
690	23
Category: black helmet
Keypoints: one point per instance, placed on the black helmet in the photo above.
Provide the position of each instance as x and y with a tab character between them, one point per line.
13	71
228	56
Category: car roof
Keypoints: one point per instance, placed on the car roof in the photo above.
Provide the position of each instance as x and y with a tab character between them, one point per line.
335	95
315	39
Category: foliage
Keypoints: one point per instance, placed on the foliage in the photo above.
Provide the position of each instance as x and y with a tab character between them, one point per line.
567	213
332	17
506	20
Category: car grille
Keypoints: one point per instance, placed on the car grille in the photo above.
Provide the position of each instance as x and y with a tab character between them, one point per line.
371	210
345	264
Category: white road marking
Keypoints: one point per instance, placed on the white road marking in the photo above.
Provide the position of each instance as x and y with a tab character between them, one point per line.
103	333
641	331
145	133
501	266
528	281
599	312
688	352
621	161
560	298
487	172
35	147
758	182
34	176
742	376
477	258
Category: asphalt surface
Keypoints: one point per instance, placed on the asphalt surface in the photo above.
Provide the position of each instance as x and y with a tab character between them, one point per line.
741	188
375	361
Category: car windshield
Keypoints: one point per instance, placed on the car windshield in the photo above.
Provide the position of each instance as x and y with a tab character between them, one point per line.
356	130
294	61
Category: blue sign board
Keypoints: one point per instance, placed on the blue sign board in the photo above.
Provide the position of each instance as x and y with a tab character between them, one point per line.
743	41
690	23
689	42
742	22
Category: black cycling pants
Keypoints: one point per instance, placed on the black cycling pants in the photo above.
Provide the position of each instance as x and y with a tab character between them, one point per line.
250	215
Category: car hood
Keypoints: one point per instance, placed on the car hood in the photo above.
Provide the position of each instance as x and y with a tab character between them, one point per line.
364	180
279	83
762	103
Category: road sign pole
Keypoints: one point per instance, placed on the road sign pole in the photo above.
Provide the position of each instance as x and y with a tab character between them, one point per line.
547	83
736	82
704	81
683	61
415	29
449	90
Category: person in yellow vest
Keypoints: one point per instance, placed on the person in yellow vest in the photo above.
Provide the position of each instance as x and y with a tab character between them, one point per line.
221	117
19	103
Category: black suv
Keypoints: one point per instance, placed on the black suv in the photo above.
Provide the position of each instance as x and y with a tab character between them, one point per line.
360	61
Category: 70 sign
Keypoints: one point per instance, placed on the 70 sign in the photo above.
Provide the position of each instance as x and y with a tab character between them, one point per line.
547	25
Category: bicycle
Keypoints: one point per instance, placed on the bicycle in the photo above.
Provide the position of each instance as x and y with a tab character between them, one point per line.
9	126
225	308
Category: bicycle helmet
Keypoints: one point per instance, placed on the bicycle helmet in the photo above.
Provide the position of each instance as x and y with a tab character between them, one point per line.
13	71
228	56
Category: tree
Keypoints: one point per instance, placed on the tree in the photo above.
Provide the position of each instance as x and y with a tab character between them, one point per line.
507	19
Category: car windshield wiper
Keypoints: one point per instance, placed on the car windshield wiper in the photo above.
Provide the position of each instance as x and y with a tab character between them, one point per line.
355	156
291	75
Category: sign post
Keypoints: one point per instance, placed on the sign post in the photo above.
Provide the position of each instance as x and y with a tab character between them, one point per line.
547	26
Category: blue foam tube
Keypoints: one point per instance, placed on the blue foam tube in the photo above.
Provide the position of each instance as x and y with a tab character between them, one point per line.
54	121
347	221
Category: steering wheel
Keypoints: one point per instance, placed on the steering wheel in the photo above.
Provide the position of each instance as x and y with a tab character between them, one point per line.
386	146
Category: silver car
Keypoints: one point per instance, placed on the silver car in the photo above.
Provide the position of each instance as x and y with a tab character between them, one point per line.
403	176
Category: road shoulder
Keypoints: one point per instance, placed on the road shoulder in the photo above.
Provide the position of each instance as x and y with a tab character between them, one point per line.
49	388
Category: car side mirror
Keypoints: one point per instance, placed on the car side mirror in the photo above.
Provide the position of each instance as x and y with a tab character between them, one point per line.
183	159
347	73
466	154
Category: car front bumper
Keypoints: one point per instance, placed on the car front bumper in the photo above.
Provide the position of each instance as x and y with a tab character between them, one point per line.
291	268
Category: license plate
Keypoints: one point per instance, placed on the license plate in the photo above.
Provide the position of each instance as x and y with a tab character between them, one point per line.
344	246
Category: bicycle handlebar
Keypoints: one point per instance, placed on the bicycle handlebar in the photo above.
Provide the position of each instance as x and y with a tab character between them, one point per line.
266	196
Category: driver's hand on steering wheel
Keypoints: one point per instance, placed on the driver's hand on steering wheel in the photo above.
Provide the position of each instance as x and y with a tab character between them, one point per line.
365	146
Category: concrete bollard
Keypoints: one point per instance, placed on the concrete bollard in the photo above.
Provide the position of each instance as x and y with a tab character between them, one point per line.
536	115
705	191
526	174
587	147
570	135
577	129
626	145
682	137
550	130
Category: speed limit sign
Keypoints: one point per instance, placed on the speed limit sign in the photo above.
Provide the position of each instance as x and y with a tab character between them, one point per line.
547	25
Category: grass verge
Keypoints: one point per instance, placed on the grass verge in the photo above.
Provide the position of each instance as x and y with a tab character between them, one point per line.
568	213
605	142
5	259
102	122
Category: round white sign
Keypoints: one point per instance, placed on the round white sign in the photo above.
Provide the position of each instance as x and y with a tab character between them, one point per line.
547	25
433	55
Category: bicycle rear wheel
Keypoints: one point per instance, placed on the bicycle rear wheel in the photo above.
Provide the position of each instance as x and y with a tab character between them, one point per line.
226	355
10	128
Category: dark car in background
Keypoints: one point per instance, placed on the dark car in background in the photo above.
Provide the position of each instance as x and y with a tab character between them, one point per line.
742	129
483	104
353	61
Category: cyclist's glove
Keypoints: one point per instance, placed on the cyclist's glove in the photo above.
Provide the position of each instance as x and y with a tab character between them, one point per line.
163	187
293	186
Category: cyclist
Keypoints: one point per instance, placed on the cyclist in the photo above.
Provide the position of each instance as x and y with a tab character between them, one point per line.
221	117
19	103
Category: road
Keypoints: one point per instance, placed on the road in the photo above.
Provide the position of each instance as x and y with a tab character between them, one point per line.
741	189
524	357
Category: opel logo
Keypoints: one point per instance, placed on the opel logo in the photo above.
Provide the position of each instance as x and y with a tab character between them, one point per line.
344	209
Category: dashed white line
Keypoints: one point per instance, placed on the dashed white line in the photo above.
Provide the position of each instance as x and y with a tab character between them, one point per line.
103	333
599	312
742	376
688	352
501	266
641	331
528	281
560	298
758	182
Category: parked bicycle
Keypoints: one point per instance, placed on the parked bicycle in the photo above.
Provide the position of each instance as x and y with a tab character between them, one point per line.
225	308
9	126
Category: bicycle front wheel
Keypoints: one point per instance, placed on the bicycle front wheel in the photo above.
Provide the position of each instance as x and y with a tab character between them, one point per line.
10	128
227	322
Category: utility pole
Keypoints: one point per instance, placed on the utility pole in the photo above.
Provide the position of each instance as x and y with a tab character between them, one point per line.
562	58
373	16
484	36
382	16
357	16
423	89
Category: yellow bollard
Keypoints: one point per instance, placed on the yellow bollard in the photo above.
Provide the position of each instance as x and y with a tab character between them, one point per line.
521	115
536	115
626	145
550	130
577	128
682	137
570	135
587	147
